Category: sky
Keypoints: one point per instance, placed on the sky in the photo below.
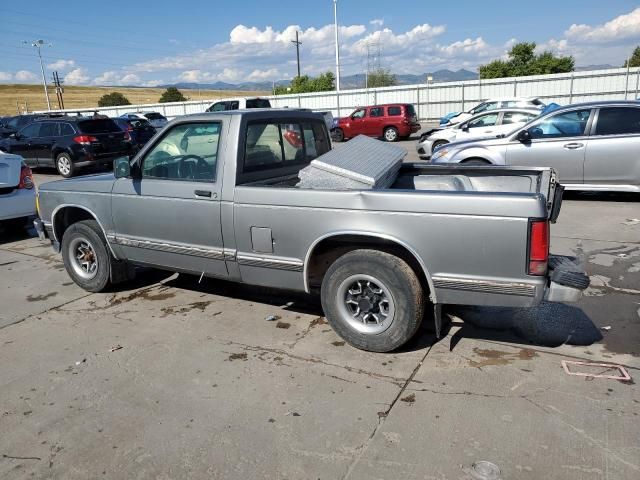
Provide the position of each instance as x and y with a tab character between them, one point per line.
150	43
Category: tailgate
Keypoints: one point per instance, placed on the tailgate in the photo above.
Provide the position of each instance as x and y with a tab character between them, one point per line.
10	166
111	141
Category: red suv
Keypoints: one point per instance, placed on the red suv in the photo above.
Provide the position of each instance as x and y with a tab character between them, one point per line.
390	121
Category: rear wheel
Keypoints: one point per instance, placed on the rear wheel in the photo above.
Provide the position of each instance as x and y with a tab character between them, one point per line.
373	300
86	256
390	134
64	165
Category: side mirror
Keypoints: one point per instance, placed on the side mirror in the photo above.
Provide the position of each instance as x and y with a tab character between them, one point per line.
464	127
523	136
122	167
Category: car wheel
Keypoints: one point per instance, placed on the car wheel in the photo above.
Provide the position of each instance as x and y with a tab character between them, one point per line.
390	134
65	165
86	256
338	135
373	300
476	161
438	143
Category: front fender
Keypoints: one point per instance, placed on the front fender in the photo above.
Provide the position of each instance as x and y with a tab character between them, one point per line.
492	155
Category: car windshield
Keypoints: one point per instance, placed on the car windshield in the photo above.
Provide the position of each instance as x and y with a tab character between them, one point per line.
102	125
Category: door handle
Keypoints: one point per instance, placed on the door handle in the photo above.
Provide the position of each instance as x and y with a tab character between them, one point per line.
203	193
573	146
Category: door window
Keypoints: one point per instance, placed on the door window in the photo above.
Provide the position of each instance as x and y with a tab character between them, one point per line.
515	117
569	124
376	112
235	105
49	129
30	131
218	107
488	120
394	111
66	129
484	107
358	113
618	121
186	152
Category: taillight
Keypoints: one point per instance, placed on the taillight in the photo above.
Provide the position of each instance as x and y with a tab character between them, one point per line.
26	178
127	137
538	247
85	139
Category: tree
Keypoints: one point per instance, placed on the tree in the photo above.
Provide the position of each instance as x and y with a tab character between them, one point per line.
381	78
304	84
172	94
113	99
524	61
634	61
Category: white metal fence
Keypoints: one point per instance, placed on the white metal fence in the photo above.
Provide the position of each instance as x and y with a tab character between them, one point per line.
434	100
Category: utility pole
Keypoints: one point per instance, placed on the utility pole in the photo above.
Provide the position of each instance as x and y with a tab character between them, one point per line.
59	90
335	22
297	43
39	44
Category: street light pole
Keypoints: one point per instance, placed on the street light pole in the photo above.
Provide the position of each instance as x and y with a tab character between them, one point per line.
335	22
38	44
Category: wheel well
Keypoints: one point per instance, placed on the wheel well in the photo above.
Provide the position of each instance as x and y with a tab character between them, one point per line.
476	159
67	217
57	151
330	249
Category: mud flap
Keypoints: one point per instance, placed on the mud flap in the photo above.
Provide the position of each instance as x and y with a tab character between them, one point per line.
121	271
437	319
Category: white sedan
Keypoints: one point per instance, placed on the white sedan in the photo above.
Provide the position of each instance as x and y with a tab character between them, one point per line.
17	191
486	124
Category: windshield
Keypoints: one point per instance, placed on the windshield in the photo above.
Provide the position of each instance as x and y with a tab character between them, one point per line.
154	116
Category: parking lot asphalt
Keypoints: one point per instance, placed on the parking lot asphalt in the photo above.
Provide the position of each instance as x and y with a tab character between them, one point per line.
170	378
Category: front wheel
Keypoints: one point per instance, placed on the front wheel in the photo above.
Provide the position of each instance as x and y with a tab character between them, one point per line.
64	165
391	134
477	162
86	256
338	135
373	300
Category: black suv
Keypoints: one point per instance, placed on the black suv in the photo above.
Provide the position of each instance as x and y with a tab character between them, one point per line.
68	143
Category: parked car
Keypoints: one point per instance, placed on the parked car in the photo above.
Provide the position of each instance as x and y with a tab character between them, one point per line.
17	191
492	104
239	104
157	120
68	143
593	146
140	131
378	258
391	122
13	124
489	123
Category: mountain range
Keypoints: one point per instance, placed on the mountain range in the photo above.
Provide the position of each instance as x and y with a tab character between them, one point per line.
354	81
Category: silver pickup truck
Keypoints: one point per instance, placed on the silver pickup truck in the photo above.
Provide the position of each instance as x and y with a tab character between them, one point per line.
218	195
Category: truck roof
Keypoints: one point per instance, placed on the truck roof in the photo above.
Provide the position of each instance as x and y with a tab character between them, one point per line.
257	113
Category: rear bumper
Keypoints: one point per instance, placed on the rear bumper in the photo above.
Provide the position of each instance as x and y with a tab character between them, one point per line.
19	203
45	232
562	293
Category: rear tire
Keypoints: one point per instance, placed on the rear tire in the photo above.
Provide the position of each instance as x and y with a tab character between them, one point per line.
390	134
86	256
65	165
373	300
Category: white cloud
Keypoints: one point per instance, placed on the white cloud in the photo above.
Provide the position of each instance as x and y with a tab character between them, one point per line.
623	27
5	76
130	79
61	64
262	75
377	22
25	76
466	46
417	36
77	76
152	83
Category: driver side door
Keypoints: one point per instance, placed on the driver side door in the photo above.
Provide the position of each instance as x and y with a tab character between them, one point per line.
169	214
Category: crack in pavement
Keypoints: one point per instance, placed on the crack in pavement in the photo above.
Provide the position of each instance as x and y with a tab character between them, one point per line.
382	416
2	327
252	348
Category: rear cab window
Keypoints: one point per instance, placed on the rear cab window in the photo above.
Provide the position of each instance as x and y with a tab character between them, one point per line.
258	103
281	148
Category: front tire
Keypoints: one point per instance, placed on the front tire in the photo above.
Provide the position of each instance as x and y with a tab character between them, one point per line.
338	135
373	300
86	256
390	134
477	162
65	165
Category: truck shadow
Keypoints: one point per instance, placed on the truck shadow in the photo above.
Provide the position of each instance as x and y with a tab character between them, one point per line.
16	234
548	325
602	196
